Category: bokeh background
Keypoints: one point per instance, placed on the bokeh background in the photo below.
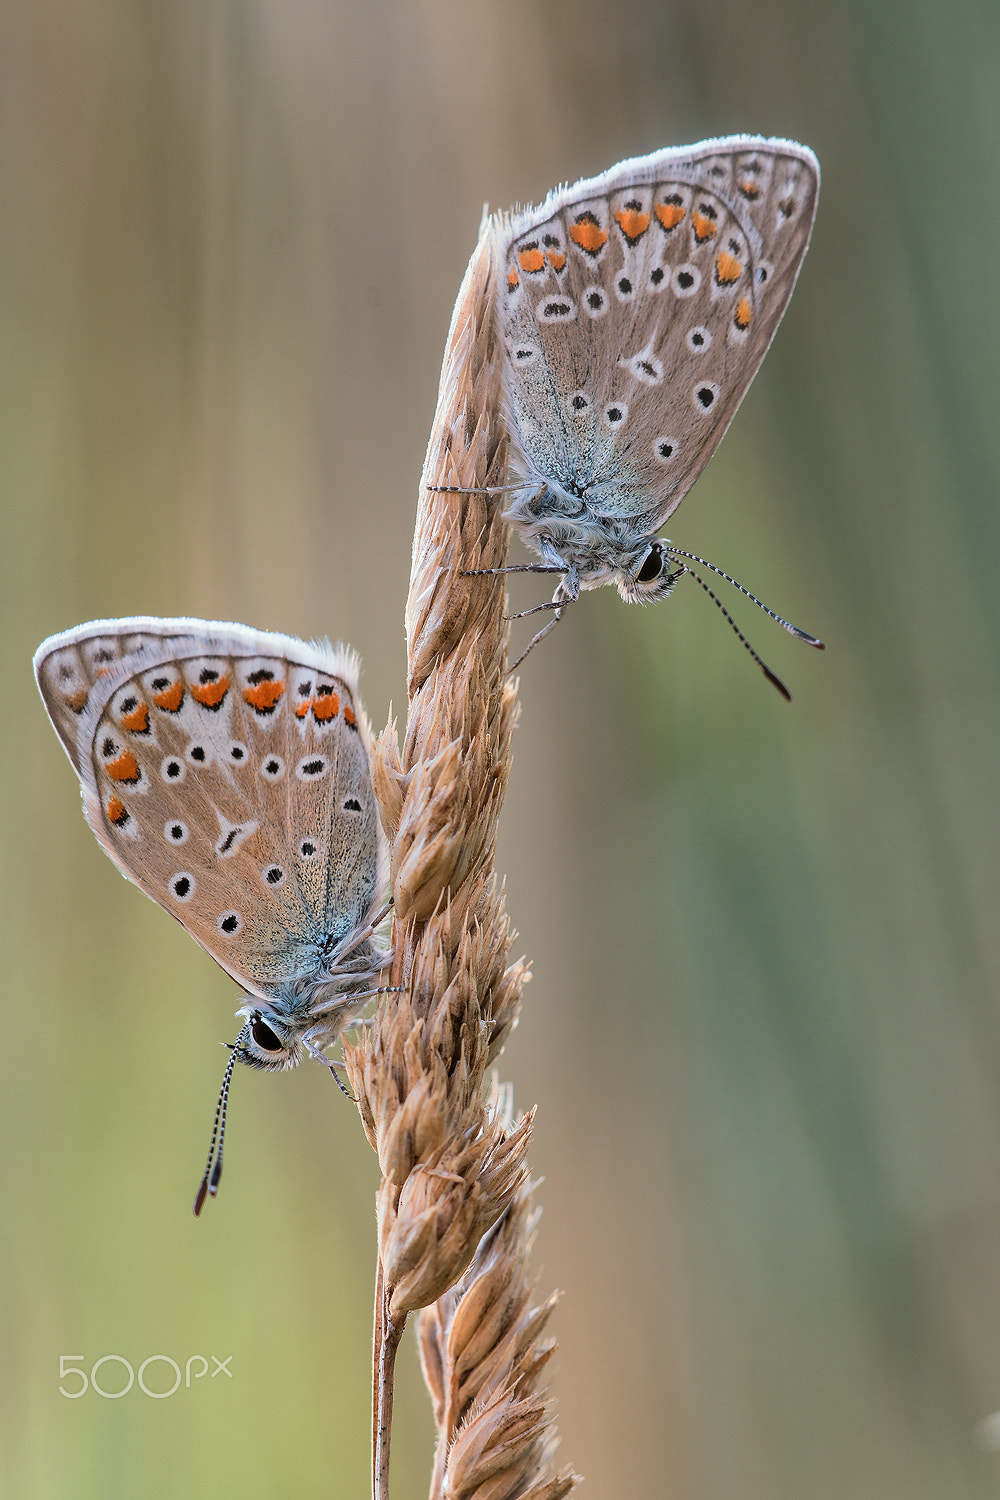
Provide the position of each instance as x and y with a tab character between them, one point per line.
763	1033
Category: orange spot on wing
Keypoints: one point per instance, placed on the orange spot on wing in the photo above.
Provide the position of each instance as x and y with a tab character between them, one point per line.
210	694
750	189
513	280
264	695
669	214
137	721
744	313
170	698
727	268
301	709
77	701
556	260
588	234
704	227
632	224
124	767
531	259
117	811
326	706
349	715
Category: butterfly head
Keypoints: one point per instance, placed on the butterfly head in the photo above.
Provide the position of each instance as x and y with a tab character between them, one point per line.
645	576
309	1015
267	1041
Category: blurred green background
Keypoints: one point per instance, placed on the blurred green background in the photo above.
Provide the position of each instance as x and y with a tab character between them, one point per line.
763	1031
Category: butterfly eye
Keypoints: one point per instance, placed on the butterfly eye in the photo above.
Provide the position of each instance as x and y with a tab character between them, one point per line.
652	565
266	1039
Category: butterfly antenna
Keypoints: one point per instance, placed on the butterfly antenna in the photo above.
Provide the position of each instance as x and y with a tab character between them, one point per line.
213	1167
772	677
802	635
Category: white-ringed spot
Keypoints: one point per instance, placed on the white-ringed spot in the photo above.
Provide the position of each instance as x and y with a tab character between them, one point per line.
312	767
556	309
182	886
172	770
699	339
232	836
238	753
595	301
704	396
578	403
272	877
615	414
175	832
309	849
229	923
272	768
644	367
523	355
686	280
665	450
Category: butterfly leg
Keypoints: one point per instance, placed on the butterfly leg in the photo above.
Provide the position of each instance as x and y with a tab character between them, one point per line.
539	634
361	934
333	1064
522	614
567	592
458	489
514	568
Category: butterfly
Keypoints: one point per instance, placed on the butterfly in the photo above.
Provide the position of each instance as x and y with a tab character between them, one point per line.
633	310
226	772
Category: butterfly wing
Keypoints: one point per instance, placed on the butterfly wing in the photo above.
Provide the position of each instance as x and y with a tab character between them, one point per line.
635	309
226	772
68	667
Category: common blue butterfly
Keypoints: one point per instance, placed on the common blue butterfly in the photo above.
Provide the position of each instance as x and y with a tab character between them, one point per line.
226	773
633	311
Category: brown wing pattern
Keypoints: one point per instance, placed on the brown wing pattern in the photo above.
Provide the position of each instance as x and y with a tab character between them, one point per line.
635	310
231	784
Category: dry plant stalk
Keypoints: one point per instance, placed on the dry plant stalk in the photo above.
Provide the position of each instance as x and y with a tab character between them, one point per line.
453	1161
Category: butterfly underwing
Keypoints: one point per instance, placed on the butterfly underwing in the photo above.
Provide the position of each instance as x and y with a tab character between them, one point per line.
633	311
226	773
